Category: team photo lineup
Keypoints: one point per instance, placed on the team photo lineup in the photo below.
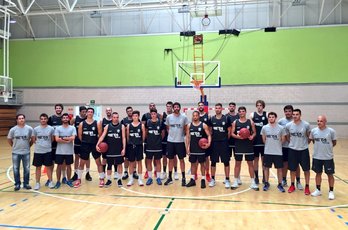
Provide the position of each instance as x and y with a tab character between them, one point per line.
121	147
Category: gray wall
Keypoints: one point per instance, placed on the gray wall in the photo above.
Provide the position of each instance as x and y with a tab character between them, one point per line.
312	99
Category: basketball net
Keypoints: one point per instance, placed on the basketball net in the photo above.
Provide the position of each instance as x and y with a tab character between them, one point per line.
197	85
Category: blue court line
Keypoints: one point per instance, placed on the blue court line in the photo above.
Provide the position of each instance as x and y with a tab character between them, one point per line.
25	199
29	227
339	216
12	205
333	210
1	210
347	223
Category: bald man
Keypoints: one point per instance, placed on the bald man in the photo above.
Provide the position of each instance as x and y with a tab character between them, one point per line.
324	139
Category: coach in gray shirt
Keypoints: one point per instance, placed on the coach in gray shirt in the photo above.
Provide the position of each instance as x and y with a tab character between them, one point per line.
20	137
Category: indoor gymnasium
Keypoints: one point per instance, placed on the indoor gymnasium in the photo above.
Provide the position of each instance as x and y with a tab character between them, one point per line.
169	114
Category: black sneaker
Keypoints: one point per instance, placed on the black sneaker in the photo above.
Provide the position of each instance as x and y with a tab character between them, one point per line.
169	181
88	177
191	183
183	182
74	177
17	187
135	176
125	175
28	187
257	180
203	183
119	182
108	183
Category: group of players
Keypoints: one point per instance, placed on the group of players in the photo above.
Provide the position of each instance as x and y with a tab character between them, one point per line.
167	139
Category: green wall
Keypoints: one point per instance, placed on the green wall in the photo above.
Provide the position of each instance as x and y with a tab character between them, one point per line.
311	55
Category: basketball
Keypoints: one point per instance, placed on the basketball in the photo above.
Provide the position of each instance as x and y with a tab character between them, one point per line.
203	142
103	147
244	133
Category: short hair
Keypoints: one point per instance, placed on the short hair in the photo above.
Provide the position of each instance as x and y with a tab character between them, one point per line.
272	114
260	102
60	105
44	115
200	102
65	115
195	111
82	108
153	110
177	103
129	107
232	103
169	103
218	104
297	110
288	107
242	108
90	108
136	112
20	114
114	113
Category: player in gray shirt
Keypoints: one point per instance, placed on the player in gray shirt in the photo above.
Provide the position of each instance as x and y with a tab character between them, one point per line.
65	136
297	135
324	139
43	136
176	125
20	138
273	135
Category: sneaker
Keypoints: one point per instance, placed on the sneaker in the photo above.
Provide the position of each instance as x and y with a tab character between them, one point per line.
101	183
47	182
257	180
149	181
158	180
58	184
266	186
130	182
227	184
17	187
207	176
191	183
125	175
263	180
212	183
50	184
183	182
169	181
239	181
203	183
64	180
146	175
108	183
317	192
176	176
254	186
140	182
284	183
119	183
27	187
70	183
299	185
74	177
280	188
88	177
306	191
331	195
37	186
163	175
291	189
135	176
235	184
77	183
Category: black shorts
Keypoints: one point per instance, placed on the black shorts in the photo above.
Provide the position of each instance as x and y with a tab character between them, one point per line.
285	154
126	154
329	166
136	153
114	160
86	149
176	149
269	160
42	159
197	158
247	157
259	150
154	155
208	151
299	157
164	149
220	151
67	159
77	149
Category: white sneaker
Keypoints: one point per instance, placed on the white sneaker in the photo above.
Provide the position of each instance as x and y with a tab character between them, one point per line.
130	182
253	185
37	186
299	186
115	175
176	176
227	184
331	195
235	184
51	185
239	181
316	193
163	176
212	183
140	182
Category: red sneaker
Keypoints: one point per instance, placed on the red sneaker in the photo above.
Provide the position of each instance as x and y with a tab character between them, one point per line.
146	175
291	189
207	176
306	191
77	183
101	183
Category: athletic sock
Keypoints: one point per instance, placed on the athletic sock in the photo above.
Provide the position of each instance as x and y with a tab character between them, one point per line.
227	178
149	173
298	179
331	189
193	176
64	173
213	177
307	185
158	174
115	167
87	170
170	175
164	168
284	178
292	183
76	170
175	169
256	173
101	175
183	175
318	187
104	168
108	177
79	173
203	177
279	184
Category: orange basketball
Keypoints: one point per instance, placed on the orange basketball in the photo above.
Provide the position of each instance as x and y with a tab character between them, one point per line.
103	147
202	142
244	133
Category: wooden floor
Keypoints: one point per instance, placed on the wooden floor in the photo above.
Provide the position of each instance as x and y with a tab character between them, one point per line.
172	207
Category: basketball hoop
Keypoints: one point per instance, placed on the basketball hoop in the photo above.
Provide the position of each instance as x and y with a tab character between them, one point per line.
5	95
196	84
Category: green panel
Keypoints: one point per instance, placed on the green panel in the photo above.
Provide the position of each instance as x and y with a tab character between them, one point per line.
311	55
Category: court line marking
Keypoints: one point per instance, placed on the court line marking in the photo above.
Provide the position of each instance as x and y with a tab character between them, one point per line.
164	214
184	209
29	227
